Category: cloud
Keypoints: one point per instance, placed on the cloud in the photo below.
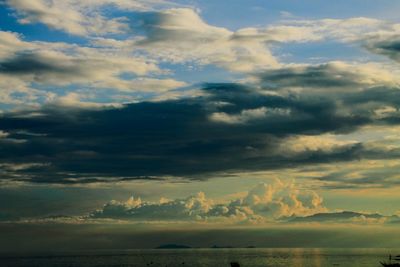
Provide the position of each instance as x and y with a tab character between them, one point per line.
40	70
281	118
3	134
248	115
280	199
180	35
333	75
386	45
277	202
377	36
265	202
345	30
276	34
83	66
34	73
73	100
16	91
22	166
181	209
346	217
62	15
303	143
6	139
10	43
378	173
78	17
161	138
286	117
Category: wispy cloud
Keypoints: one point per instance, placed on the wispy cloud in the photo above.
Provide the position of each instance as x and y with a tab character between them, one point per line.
53	65
79	17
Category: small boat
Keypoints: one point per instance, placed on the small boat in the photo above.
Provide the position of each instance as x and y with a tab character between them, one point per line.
391	262
388	264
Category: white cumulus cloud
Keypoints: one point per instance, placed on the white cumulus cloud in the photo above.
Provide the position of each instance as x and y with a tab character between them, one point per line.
265	202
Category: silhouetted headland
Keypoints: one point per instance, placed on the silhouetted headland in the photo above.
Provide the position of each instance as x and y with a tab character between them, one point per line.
173	246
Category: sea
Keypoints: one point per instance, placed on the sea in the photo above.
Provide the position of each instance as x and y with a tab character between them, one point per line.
246	257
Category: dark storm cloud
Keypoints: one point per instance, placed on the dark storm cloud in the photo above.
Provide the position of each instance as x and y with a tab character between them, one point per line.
26	63
41	66
231	128
166	138
325	76
388	46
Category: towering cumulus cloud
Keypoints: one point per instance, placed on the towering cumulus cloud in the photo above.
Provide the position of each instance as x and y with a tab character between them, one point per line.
265	202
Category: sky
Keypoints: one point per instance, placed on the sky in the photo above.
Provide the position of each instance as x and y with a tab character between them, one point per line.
126	118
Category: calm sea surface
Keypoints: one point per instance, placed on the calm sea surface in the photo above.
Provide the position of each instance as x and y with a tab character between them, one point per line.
252	257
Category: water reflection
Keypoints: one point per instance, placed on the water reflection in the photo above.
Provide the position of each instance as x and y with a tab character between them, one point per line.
209	258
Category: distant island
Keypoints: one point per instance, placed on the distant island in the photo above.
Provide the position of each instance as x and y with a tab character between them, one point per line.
179	246
217	246
172	246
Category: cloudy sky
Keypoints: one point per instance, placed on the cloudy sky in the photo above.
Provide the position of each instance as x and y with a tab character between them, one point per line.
135	116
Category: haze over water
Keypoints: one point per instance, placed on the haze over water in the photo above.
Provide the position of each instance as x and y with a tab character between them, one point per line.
249	257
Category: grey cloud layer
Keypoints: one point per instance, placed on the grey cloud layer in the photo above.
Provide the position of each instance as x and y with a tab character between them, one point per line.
230	128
